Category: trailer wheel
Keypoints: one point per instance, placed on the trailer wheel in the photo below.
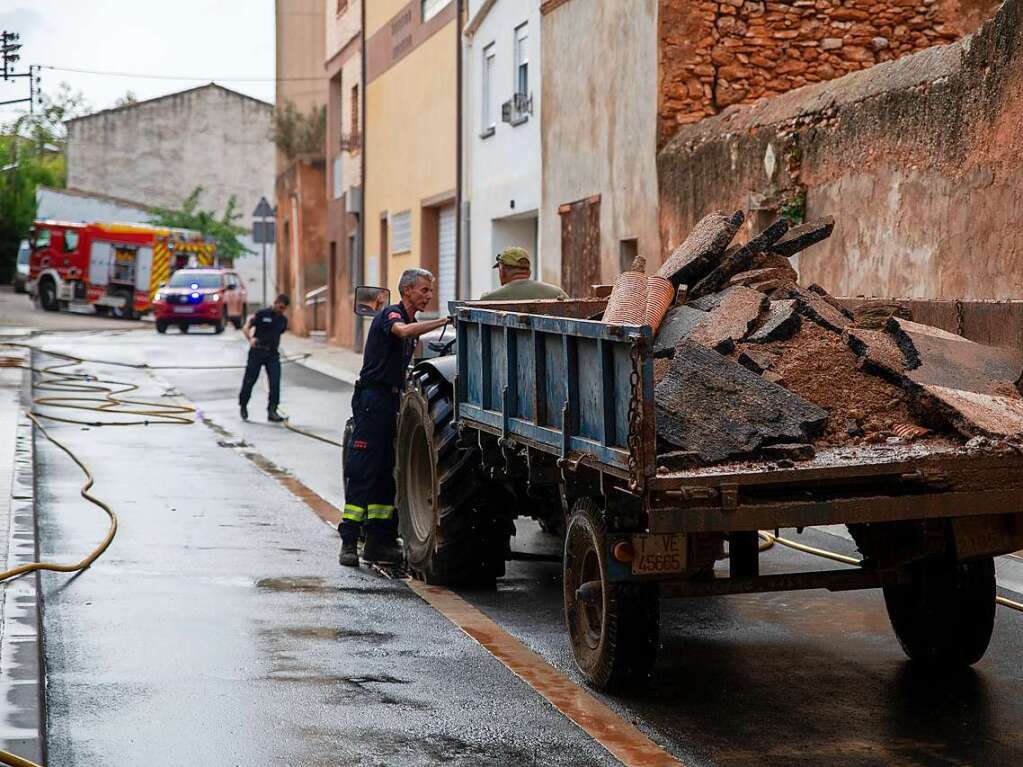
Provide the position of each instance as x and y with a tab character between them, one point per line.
48	294
945	614
614	627
452	535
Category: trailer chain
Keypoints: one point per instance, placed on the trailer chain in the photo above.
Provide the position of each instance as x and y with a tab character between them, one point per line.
960	319
635	441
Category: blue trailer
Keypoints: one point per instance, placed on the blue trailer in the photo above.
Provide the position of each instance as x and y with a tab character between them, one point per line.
546	412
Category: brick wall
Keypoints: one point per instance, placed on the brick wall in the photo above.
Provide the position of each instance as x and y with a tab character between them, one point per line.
715	54
919	160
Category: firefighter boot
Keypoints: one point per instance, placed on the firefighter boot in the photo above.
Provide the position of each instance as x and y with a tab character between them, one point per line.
349	554
274	417
382	549
244	412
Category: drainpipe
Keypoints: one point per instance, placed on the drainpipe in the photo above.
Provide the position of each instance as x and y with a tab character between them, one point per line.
360	227
461	241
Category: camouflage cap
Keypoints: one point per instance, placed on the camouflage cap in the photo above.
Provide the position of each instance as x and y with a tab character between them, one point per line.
514	256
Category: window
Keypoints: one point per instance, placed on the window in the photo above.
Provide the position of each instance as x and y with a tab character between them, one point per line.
42	239
401	232
487	92
337	177
432	7
521	105
70	241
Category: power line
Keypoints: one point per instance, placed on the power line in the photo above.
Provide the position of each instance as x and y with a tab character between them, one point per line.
185	77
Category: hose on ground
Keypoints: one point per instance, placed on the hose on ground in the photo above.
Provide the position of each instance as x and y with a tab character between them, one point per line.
769	539
13	760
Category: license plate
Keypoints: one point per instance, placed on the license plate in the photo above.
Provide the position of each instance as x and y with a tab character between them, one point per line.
658	554
182	309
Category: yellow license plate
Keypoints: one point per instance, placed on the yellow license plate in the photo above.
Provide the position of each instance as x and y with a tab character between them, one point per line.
659	554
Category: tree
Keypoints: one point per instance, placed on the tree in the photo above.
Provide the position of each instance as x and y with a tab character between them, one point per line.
299	135
224	231
127	99
32	154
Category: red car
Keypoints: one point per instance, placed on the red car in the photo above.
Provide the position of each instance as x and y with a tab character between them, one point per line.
200	297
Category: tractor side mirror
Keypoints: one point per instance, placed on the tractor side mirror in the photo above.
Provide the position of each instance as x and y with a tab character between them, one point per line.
369	300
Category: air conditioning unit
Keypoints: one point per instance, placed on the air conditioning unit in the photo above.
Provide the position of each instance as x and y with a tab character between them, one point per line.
353	202
517	107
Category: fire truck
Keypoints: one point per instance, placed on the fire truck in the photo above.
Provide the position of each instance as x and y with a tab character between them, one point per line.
116	268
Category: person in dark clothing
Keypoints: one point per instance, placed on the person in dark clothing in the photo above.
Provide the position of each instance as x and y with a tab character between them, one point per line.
369	468
263	332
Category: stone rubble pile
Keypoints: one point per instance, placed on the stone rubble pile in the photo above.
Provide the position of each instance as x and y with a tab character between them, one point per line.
750	365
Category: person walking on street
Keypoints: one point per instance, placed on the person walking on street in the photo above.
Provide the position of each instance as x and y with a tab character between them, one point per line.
263	332
369	467
515	270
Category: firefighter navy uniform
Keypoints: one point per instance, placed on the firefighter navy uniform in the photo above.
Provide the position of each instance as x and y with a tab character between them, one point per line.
369	467
267	327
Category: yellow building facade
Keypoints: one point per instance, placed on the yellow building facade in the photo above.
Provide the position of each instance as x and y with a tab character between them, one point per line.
411	141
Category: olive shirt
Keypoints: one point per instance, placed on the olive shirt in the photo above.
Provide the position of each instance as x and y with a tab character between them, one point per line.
524	290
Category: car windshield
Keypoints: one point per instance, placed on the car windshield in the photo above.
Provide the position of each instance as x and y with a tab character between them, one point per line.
23	254
193	280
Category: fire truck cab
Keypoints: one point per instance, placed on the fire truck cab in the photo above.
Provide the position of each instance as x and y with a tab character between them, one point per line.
117	268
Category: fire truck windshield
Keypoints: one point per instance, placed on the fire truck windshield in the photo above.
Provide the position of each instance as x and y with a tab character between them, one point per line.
193	280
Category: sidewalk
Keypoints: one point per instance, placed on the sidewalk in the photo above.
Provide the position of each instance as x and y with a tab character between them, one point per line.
331	360
22	719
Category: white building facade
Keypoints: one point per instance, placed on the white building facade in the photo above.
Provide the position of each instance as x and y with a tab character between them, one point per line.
501	137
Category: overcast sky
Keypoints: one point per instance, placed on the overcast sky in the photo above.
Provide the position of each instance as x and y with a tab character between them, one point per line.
204	39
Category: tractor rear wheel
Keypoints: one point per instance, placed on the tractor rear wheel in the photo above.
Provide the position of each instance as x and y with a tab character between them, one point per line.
945	613
614	627
453	530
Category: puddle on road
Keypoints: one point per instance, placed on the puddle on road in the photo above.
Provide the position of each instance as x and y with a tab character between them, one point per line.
296	585
331	633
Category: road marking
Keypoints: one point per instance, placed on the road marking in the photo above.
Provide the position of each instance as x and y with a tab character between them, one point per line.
624	741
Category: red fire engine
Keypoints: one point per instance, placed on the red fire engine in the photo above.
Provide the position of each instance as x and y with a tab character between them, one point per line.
117	268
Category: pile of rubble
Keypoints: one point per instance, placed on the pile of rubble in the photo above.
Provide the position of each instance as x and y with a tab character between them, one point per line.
749	365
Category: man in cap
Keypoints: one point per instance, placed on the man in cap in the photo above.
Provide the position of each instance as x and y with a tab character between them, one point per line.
515	269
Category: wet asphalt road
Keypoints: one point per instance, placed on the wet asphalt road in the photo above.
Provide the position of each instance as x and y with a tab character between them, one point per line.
220	630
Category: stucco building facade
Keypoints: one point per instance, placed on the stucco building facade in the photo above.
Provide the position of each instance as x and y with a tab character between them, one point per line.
501	98
410	141
343	65
156	152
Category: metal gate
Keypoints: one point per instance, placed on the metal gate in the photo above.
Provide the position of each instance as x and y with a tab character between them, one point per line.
446	249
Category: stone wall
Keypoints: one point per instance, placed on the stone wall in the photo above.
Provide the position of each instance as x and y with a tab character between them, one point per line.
715	53
920	161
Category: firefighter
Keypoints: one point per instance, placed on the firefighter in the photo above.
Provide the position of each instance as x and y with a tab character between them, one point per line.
369	468
515	269
263	332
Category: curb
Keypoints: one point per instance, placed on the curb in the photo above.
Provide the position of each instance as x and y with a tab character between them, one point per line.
22	687
329	370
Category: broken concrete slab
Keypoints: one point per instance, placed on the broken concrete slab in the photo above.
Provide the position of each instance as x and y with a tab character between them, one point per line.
702	248
975	414
712	406
813	287
758	360
753	276
938	358
813	306
782	322
677	324
738	260
878	349
794	451
733	317
874	313
803	236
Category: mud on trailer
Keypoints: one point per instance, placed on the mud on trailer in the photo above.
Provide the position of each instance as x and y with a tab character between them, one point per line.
546	414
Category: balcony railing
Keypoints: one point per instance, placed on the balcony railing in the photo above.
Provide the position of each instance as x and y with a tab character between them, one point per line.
351	142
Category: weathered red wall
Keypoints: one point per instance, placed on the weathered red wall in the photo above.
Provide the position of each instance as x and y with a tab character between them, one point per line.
920	160
715	54
304	268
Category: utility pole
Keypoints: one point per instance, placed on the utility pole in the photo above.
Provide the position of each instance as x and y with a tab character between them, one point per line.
9	47
263	232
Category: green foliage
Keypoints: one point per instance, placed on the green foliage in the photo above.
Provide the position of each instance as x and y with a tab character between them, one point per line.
127	99
299	135
793	209
31	154
223	230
